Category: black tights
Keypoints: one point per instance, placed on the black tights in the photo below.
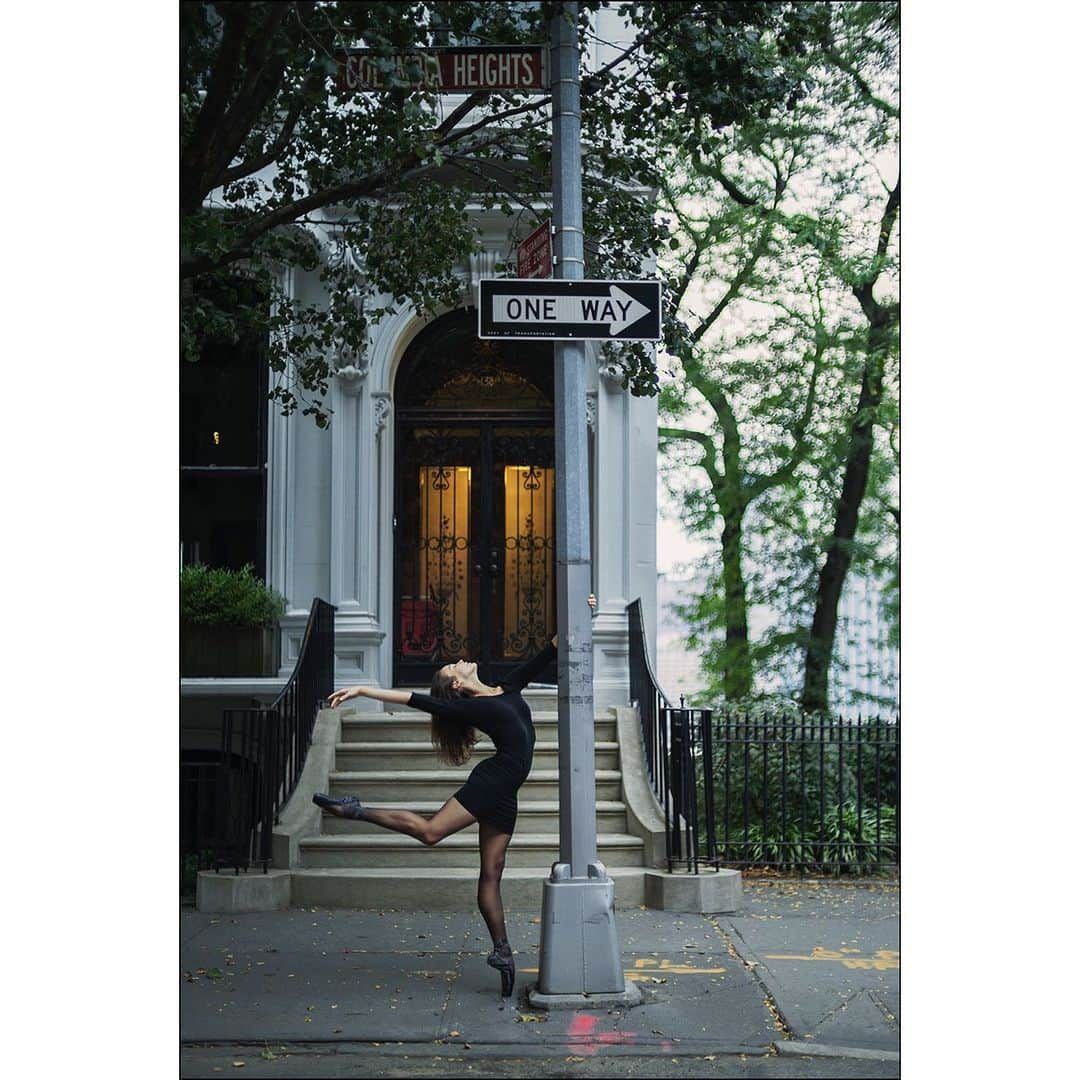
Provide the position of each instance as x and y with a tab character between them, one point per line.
489	899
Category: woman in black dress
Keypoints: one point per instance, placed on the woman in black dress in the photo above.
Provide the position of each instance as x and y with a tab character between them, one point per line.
460	704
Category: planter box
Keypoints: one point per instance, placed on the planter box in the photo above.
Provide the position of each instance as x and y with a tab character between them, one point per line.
223	651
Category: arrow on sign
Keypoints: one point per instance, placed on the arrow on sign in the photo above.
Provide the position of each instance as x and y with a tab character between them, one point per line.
617	310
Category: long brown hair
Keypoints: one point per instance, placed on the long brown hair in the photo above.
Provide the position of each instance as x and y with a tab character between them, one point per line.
453	740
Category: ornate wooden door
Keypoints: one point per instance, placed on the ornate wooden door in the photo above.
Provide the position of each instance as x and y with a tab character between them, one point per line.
474	531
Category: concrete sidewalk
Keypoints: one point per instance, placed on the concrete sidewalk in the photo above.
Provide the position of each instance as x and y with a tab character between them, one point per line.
803	981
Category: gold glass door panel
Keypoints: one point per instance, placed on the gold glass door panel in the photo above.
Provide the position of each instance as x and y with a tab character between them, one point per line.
529	566
443	547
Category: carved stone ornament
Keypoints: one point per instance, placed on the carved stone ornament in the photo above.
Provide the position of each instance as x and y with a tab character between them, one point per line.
352	368
381	405
590	409
609	370
338	253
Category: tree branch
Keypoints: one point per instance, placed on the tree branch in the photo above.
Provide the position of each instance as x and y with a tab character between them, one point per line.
784	472
737	282
708	457
864	290
193	158
363	187
862	85
253	165
733	191
265	71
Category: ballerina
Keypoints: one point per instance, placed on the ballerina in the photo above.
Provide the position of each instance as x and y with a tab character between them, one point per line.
460	705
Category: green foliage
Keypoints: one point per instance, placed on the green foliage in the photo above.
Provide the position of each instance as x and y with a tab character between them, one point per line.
795	799
190	865
375	192
222	597
787	300
844	841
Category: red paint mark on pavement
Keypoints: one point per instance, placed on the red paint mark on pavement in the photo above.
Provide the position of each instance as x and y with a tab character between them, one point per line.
583	1024
582	1027
589	1040
609	1037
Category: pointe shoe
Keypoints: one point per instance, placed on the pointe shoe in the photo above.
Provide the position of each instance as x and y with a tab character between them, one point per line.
503	962
348	806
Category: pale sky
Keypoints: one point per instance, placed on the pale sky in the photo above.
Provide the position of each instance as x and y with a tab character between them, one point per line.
673	545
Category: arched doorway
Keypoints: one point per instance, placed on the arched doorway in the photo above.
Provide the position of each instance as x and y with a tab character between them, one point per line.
474	502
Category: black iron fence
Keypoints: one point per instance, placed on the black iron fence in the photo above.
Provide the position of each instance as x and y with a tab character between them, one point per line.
229	806
761	788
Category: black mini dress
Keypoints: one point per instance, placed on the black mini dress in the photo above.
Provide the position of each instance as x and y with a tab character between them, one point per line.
490	793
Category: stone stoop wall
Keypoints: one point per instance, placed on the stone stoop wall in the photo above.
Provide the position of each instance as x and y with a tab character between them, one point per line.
353	865
300	817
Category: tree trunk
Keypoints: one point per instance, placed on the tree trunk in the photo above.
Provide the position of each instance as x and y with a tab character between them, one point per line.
881	319
738	673
819	649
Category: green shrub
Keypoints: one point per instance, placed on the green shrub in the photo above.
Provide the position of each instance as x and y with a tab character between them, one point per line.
782	805
220	597
847	842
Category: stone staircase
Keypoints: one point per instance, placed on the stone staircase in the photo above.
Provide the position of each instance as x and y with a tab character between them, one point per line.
386	758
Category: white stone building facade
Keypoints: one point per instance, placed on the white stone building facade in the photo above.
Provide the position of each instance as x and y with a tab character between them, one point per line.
333	496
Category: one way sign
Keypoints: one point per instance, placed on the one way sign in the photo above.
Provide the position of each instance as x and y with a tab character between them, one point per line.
569	310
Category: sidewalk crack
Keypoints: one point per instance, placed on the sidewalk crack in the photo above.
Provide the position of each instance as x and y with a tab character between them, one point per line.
779	1021
890	1020
840	1006
451	979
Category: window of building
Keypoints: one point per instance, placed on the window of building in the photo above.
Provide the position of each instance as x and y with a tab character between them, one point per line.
223	407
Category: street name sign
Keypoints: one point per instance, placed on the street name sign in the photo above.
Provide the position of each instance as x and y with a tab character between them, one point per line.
449	71
534	253
569	310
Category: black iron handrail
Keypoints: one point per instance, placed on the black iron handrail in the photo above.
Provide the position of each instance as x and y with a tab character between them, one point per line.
666	758
758	788
263	750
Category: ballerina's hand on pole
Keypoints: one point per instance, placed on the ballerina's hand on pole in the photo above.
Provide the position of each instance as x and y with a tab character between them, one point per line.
591	601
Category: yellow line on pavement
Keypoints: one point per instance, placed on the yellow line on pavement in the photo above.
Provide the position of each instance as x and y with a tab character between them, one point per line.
882	960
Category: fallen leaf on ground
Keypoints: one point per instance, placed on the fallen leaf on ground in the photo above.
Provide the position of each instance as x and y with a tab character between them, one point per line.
529	1018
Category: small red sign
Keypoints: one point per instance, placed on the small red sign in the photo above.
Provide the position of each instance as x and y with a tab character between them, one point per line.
534	253
449	71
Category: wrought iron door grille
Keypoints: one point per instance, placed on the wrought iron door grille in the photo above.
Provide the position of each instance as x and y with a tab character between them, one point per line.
474	541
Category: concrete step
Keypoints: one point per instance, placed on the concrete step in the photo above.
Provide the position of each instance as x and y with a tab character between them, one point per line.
399	756
413	726
447	888
390	849
387	786
533	817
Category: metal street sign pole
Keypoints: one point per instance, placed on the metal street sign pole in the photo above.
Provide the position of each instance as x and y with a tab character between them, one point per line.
579	948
